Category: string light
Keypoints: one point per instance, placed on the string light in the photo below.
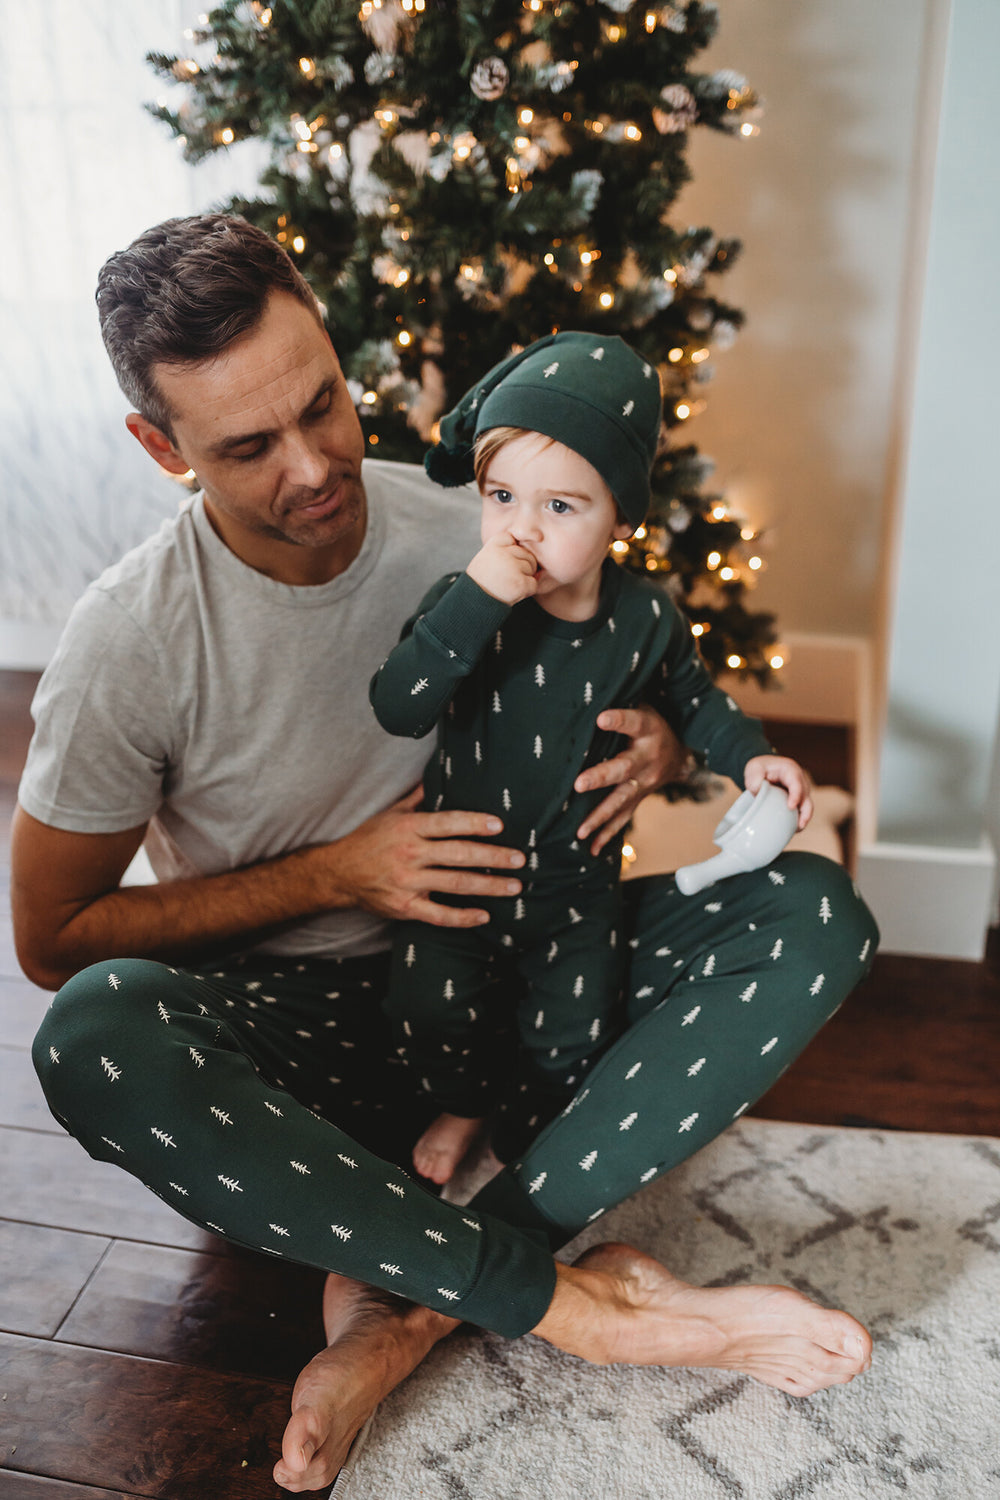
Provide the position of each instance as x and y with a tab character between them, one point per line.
639	533
675	355
777	661
336	151
549	259
670	275
650	20
718	512
713	560
755	563
727	573
298	244
370	397
698	629
307	66
734	661
526	116
404	338
682	411
606	299
700	355
748	533
227	136
633	133
628	854
373	439
620	548
749	129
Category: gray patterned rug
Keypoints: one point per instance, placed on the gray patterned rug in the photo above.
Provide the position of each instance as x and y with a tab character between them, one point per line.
903	1230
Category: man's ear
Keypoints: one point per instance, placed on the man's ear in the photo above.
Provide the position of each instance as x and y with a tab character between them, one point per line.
156	444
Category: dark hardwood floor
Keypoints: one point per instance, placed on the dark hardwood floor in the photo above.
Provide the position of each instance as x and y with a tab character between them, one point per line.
140	1357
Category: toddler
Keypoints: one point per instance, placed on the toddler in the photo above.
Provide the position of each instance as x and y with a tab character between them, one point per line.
513	660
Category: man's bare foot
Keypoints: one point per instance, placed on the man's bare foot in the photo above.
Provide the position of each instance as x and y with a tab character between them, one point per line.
640	1314
375	1341
442	1146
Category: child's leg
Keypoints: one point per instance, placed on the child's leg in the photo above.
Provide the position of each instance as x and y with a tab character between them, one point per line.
570	1008
725	990
438	997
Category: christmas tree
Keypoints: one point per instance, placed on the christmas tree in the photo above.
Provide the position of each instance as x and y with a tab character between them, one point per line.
456	179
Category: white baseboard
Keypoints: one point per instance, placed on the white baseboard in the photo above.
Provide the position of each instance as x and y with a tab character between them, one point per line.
27	645
824	681
937	903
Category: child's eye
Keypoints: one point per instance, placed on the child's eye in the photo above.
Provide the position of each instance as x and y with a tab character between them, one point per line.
560	507
502	497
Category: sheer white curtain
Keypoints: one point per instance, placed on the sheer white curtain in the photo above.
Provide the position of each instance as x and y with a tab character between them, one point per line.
83	170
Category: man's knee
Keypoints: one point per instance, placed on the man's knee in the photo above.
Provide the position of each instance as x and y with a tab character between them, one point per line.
95	1015
824	893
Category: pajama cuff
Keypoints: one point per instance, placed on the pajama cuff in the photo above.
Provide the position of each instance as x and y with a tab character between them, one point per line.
515	1283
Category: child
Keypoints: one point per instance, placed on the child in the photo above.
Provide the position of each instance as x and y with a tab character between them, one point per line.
513	660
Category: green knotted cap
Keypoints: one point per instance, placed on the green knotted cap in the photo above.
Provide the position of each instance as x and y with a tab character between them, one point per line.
591	392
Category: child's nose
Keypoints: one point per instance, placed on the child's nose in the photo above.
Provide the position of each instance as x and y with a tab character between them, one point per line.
526	529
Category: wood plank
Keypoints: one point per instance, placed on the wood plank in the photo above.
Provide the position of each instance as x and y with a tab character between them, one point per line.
243	1312
38	1487
51	1180
42	1272
22	1006
916	1047
22	1102
139	1426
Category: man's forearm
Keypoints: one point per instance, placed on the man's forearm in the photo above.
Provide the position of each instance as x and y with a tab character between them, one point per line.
183	919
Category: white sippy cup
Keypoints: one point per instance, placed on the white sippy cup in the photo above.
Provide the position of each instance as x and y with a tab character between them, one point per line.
753	832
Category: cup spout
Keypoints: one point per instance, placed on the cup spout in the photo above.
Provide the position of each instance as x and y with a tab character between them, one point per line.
694	878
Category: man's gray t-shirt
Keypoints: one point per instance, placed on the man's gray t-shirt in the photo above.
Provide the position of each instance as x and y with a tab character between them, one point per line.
231	711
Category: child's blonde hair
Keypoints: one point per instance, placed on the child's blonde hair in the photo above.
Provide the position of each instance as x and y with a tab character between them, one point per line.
488	444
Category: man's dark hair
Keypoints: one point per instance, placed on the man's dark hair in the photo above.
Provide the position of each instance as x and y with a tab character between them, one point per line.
184	291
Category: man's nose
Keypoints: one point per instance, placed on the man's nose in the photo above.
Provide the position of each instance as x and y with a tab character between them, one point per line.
305	464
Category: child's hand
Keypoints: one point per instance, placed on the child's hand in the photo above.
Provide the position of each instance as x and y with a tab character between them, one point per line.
782	772
504	569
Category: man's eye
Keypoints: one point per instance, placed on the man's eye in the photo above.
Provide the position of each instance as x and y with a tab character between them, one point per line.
248	458
321	408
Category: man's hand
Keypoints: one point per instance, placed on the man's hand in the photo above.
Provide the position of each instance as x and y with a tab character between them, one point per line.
392	862
781	771
505	569
655	755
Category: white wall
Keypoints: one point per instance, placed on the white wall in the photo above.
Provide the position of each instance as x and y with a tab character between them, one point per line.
85	170
931	863
800	416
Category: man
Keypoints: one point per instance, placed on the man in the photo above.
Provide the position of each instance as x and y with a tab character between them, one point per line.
208	697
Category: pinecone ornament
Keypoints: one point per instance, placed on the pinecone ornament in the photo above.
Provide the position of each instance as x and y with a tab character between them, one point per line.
490	79
682	110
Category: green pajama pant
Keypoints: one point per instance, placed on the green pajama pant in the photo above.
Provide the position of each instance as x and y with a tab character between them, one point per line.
550	961
261	1098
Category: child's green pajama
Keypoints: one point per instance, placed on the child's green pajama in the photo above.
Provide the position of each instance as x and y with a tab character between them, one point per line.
515	694
253	1096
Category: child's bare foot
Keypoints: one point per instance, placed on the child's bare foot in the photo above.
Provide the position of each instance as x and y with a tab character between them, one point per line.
442	1146
635	1312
